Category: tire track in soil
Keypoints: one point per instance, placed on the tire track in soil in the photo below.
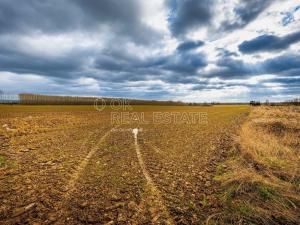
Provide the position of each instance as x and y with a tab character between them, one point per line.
111	188
82	165
185	181
155	196
41	207
153	147
76	175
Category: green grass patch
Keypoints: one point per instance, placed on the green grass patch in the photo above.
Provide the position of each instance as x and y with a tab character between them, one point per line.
229	194
204	201
275	162
264	192
2	161
114	148
223	177
244	208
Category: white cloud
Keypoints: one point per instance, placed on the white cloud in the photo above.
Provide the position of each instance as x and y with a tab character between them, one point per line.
15	83
155	15
228	94
87	83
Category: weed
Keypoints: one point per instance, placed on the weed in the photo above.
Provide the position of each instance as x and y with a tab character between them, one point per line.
244	208
2	161
204	201
264	192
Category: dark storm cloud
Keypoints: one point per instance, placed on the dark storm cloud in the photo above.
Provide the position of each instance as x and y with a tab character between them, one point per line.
65	66
245	12
287	65
269	43
189	45
185	62
232	68
49	16
123	15
287	81
119	60
56	16
109	63
181	63
182	79
122	66
189	14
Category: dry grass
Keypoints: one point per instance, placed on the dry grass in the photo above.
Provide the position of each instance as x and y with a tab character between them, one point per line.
261	183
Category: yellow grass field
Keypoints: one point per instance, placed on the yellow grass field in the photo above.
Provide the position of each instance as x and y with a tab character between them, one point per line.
77	165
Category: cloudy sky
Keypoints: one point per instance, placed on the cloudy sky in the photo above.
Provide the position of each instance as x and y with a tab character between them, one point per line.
188	50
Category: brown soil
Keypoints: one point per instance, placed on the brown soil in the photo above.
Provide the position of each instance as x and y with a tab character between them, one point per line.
70	167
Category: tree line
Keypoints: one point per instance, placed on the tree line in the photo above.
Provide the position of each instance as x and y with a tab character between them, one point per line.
36	99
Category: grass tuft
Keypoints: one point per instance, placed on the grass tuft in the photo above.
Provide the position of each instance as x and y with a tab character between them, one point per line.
261	182
2	161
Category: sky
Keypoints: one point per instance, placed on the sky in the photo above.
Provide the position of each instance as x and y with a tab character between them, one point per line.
182	50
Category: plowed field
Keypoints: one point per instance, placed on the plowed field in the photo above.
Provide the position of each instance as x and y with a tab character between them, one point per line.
72	165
